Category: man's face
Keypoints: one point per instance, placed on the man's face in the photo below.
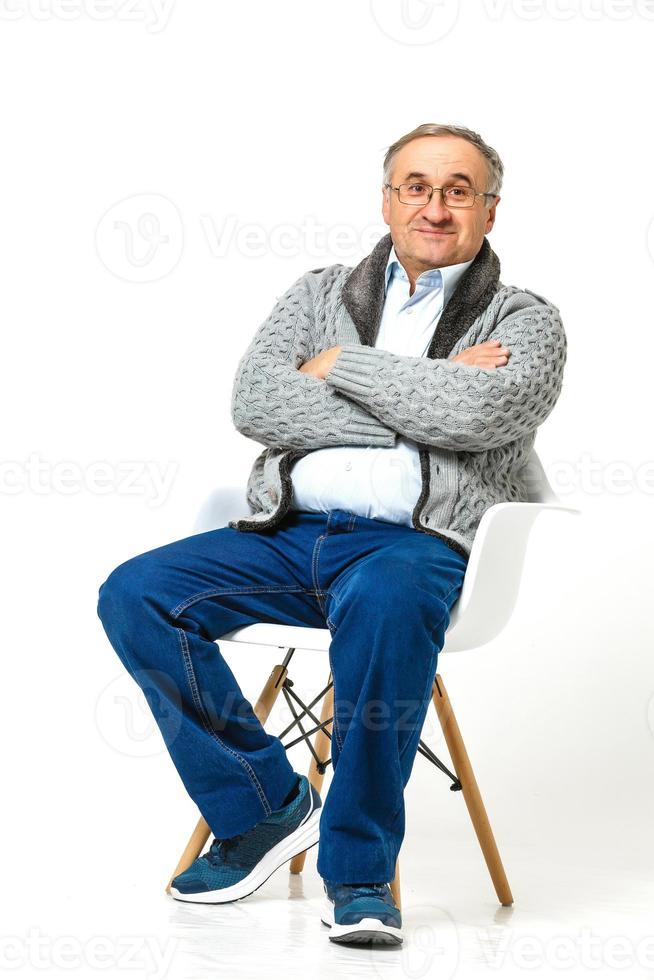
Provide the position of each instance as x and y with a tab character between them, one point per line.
433	236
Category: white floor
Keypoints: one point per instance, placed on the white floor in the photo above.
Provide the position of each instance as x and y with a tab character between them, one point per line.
569	919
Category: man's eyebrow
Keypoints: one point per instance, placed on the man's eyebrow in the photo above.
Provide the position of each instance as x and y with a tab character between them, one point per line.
421	176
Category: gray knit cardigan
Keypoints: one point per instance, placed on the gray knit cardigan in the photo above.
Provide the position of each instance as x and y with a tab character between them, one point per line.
474	427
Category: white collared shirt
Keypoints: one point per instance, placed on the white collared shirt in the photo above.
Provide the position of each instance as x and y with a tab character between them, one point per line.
379	481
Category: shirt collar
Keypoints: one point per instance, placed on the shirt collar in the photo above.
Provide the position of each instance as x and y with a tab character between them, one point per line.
446	278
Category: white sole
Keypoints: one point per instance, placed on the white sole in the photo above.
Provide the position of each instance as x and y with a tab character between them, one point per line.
365	931
302	838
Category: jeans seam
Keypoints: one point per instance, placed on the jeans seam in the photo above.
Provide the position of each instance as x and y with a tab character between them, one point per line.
243	590
433	679
192	679
314	571
197	700
335	730
332	626
402	751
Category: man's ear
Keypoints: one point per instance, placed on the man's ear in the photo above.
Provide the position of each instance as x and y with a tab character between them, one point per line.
386	204
490	220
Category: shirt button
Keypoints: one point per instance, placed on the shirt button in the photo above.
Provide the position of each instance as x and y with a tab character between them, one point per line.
348	466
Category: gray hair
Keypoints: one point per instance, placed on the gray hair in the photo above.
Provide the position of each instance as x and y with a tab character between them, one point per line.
494	165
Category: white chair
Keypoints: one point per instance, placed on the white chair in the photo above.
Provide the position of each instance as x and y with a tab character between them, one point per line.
483	609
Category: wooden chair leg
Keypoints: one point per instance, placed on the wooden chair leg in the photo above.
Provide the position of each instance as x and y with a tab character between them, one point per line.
395	886
321	747
470	790
262	709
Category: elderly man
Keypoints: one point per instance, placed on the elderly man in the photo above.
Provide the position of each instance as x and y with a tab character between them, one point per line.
396	401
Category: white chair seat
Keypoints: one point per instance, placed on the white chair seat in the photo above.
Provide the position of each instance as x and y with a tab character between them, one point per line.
278	635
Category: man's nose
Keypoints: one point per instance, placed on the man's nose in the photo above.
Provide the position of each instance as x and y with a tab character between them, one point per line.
436	211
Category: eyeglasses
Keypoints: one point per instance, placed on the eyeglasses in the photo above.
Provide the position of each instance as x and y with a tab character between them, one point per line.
452	195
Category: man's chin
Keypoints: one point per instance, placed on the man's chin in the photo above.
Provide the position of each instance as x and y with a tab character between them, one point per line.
430	246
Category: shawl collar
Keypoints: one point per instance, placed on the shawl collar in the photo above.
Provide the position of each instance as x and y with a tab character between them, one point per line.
363	296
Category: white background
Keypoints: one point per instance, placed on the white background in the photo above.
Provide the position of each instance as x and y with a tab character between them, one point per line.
239	128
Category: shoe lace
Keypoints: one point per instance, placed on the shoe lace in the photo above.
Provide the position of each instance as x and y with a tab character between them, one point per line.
221	846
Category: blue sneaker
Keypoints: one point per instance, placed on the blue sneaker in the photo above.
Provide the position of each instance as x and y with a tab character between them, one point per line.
363	913
234	867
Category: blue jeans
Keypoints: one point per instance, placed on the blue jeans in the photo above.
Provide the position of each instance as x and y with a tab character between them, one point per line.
384	590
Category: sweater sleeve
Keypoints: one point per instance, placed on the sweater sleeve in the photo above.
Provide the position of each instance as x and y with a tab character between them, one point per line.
279	406
456	406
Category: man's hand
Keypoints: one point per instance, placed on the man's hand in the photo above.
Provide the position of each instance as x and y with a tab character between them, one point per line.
322	363
490	354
